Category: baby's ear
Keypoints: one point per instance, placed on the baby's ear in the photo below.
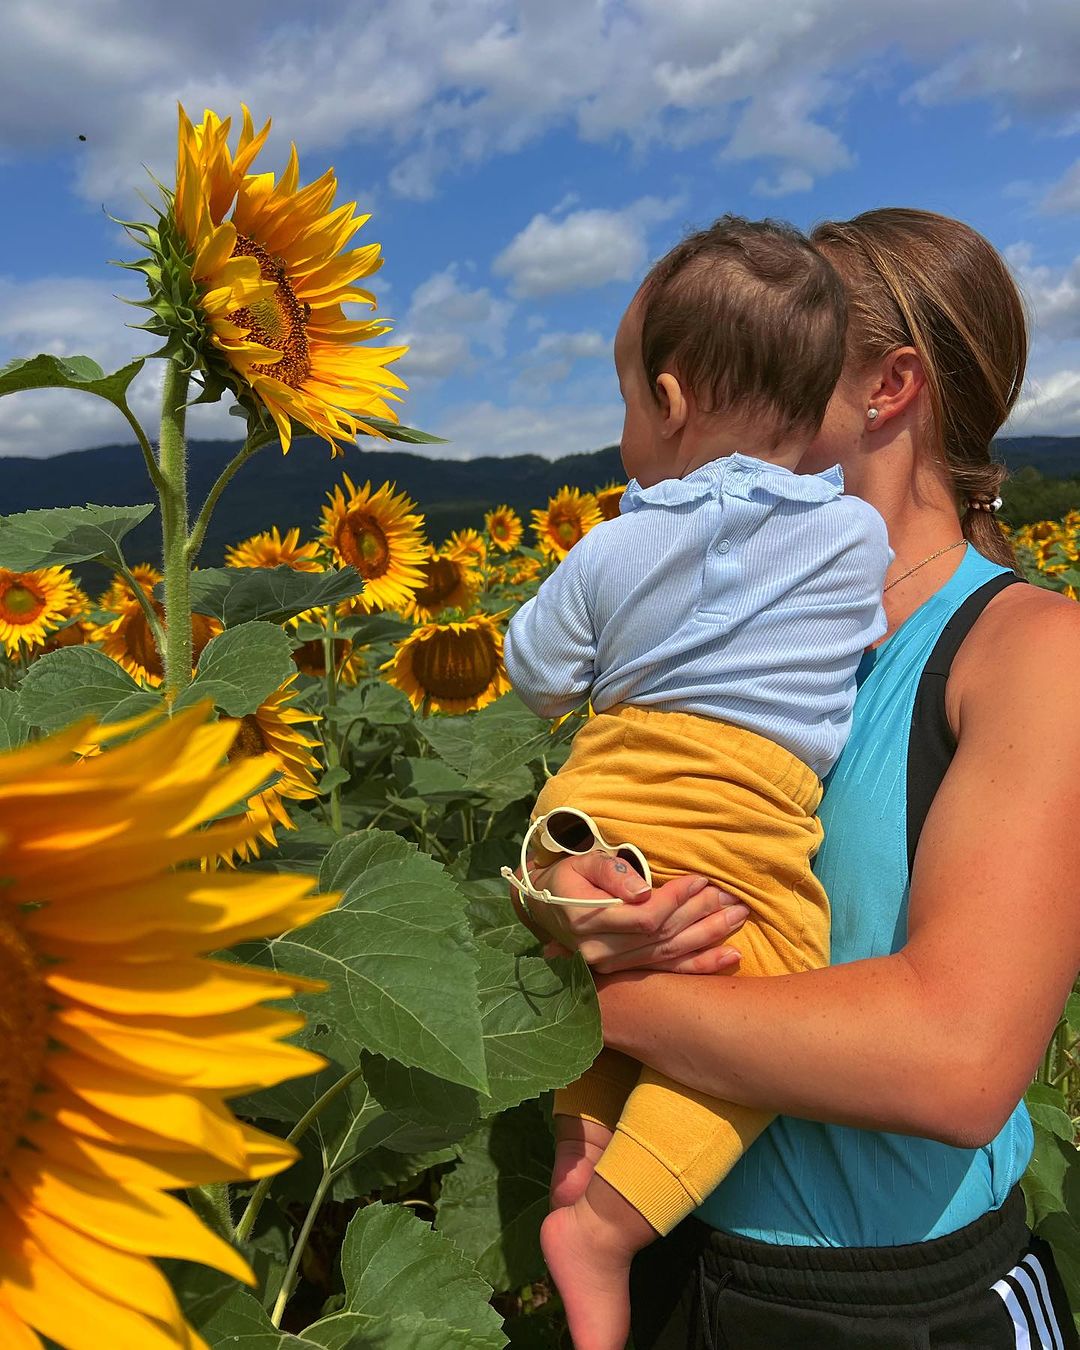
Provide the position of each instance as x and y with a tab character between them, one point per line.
673	405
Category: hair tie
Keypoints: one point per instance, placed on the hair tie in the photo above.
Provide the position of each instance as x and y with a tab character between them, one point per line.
984	504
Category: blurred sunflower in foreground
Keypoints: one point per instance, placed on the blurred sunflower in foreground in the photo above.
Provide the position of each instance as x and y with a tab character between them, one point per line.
272	732
569	516
248	277
122	1040
451	667
33	605
504	528
270	549
381	535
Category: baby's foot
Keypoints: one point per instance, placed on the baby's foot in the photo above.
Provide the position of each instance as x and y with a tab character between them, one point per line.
578	1147
588	1253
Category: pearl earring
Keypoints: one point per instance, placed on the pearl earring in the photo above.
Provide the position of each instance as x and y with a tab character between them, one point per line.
872	414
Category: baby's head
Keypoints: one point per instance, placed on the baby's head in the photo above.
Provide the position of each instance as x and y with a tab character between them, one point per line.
734	342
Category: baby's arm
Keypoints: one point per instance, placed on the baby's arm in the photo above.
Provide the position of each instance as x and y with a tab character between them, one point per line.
550	645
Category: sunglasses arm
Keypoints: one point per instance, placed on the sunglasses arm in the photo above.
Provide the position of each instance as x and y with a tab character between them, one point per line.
529	891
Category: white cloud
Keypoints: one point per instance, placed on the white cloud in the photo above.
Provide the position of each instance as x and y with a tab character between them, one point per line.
487	429
555	354
449	86
1053	294
584	249
445	322
1063	198
1049	406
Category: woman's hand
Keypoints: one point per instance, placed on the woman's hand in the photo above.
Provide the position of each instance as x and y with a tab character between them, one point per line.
681	927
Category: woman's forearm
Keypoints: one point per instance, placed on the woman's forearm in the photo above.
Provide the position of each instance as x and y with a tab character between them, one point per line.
862	1044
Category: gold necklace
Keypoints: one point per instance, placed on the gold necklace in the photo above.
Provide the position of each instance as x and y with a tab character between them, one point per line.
947	549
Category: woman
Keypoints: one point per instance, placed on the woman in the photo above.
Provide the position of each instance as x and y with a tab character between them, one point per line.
882	1207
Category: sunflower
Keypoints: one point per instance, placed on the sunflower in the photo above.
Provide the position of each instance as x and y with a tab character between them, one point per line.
269	549
380	534
119	591
468	546
451	667
310	658
504	528
127	638
122	1042
262	291
271	731
608	499
33	604
570	514
77	629
449	583
524	570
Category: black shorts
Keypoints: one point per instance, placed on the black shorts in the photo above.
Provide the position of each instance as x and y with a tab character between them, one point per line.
989	1286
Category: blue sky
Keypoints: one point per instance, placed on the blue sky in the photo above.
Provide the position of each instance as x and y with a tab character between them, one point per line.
524	163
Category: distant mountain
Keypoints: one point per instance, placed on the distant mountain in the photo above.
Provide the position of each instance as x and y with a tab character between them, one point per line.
288	490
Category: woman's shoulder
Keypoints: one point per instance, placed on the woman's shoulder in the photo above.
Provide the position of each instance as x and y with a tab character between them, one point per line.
1025	645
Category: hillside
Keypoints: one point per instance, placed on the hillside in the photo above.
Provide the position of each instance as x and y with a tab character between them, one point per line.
289	490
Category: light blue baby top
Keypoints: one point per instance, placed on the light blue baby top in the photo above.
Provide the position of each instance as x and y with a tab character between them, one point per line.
815	1185
743	592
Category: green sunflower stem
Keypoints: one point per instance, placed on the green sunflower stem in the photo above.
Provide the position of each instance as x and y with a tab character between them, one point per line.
172	468
255	441
289	1282
211	1203
333	749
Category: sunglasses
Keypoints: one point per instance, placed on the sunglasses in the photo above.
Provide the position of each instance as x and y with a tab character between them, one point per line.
566	830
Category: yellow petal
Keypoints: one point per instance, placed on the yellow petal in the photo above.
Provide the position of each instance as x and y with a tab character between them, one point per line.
182	987
14	1333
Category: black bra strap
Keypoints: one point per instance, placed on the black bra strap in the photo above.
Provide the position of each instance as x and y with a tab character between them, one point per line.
932	744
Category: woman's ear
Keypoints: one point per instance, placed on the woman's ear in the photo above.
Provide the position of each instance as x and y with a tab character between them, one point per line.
902	380
672	405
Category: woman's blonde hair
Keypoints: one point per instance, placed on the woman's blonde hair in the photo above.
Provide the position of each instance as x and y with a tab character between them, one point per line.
916	279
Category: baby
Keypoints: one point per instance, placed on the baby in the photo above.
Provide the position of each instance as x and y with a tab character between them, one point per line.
717	626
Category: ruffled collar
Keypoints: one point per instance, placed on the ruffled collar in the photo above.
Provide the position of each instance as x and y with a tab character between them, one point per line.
736	476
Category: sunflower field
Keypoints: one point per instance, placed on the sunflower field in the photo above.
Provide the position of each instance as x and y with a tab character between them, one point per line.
280	1053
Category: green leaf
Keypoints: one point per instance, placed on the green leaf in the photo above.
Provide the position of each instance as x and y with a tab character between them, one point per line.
492	748
237	595
240	668
410	1288
377	703
1063	1235
331	779
13	729
398	957
63	535
1047	1107
65	686
430	779
67	372
492	1204
394	431
242	1324
1044	1181
1072	1013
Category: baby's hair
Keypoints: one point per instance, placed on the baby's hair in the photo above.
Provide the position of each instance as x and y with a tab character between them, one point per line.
752	319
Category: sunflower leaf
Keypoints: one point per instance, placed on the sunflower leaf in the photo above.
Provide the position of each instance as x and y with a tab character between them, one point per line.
240	668
491	1205
68	685
449	1307
237	595
398	956
241	1323
13	729
68	372
394	431
60	536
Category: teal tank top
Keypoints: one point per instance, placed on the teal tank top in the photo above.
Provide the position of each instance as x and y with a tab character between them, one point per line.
815	1185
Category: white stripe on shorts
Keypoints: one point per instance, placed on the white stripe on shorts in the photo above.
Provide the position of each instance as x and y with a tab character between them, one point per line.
1027	1275
1032	1263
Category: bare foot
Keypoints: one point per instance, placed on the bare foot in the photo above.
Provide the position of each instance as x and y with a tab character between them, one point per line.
588	1249
578	1147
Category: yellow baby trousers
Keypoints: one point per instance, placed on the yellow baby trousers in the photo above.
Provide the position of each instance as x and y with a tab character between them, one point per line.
695	795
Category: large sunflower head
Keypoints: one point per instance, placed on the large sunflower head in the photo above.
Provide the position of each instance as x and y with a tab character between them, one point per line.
122	1041
504	528
380	534
270	549
569	516
119	590
273	731
450	582
34	604
451	667
126	637
608	499
248	276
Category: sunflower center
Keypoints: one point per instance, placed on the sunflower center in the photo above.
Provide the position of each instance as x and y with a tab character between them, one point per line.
451	665
310	657
279	321
21	604
249	739
442	576
565	528
363	543
138	641
24	1019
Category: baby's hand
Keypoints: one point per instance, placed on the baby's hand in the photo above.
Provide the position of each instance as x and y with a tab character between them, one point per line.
578	1146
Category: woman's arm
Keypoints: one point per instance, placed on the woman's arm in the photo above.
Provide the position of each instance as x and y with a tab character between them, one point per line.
942	1038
